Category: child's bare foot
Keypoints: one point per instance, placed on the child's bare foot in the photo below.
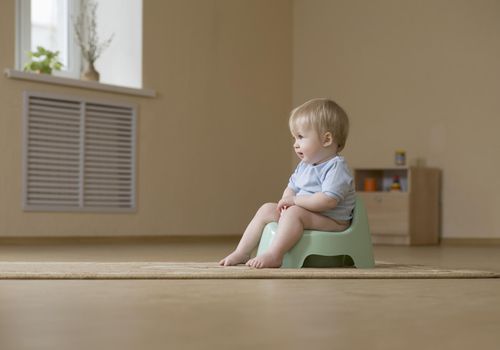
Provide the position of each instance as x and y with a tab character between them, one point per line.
265	260
235	258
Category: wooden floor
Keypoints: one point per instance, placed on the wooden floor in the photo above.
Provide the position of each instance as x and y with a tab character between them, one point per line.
247	314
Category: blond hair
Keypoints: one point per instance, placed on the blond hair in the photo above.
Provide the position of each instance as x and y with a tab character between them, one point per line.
322	115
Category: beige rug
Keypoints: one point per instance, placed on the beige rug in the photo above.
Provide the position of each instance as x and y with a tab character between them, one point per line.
210	270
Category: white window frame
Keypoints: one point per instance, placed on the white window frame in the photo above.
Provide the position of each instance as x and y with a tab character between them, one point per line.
23	38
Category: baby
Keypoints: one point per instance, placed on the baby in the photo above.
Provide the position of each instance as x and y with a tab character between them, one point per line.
320	193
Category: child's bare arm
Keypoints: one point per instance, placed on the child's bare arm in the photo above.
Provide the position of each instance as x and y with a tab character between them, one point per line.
317	202
288	193
287	200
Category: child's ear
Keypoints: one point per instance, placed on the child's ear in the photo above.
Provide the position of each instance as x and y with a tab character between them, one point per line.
327	139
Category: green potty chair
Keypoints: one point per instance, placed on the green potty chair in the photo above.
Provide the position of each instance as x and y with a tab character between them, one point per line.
352	247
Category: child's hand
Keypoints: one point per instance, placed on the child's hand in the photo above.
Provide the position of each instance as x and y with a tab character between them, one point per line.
285	202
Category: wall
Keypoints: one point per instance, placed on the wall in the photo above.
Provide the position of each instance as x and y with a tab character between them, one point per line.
423	76
212	146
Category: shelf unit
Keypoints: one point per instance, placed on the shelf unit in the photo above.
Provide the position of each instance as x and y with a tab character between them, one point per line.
407	217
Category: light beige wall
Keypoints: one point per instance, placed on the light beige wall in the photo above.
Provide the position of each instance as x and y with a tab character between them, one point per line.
212	146
423	76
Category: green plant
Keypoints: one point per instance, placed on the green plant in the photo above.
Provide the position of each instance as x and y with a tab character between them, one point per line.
43	61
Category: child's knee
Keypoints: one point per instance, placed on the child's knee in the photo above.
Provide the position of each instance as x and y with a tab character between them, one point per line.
294	212
267	207
267	210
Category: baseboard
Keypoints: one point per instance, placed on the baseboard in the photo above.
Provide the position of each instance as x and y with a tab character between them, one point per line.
205	238
378	239
118	239
470	241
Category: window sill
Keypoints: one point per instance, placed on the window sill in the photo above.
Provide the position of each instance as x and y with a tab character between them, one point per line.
91	85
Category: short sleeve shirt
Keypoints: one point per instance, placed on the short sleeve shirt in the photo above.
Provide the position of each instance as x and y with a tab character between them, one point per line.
333	178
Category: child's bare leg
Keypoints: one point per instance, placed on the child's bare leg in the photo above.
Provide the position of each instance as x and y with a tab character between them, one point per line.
251	237
291	226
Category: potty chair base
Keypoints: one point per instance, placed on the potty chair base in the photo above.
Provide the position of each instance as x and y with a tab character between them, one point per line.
352	247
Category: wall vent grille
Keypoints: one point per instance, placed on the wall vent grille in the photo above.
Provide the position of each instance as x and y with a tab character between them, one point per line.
79	155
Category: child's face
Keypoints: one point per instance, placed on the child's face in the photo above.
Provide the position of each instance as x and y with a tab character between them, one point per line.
309	146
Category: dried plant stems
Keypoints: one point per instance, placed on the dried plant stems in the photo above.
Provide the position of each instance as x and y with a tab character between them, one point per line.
85	26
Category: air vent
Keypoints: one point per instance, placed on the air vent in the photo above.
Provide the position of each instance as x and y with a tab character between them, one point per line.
79	155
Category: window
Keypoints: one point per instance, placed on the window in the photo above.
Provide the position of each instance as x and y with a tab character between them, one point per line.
49	23
49	26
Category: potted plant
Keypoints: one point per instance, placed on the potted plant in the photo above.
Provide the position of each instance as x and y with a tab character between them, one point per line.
43	61
85	25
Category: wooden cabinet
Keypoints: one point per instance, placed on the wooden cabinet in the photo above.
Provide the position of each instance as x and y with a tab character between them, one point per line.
410	215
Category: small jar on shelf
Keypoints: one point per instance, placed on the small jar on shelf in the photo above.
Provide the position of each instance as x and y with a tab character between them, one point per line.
396	184
400	157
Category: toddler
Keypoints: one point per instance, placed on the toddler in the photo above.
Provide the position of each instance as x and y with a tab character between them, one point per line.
320	193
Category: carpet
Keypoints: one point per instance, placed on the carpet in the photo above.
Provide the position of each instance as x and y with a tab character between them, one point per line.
211	270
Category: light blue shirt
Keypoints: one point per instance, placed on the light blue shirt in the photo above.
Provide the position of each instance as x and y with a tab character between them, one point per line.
333	178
